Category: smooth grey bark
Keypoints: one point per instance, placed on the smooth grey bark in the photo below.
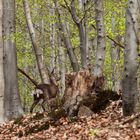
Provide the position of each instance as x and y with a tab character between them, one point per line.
12	103
115	59
69	47
82	34
100	53
129	83
83	8
61	64
42	34
2	84
67	42
52	38
38	51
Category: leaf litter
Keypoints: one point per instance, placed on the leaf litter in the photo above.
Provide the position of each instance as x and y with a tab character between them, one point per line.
109	124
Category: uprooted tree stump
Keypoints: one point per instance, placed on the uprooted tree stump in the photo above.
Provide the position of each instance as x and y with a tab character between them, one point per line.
80	87
85	89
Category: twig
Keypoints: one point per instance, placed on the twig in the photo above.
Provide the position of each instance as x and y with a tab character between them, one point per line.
132	118
117	43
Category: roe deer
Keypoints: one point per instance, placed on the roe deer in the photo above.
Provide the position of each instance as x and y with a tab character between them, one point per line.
44	92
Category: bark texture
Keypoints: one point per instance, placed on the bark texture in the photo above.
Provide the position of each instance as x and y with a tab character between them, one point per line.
129	83
61	65
67	42
82	34
38	51
84	94
12	104
100	53
52	38
115	57
115	60
1	68
81	88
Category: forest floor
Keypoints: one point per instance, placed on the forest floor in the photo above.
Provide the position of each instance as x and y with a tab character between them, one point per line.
106	125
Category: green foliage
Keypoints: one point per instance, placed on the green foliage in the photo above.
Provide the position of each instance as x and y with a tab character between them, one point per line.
93	132
114	18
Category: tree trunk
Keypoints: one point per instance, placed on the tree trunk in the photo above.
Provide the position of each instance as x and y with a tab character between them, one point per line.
12	103
82	35
2	84
100	53
67	42
38	51
129	83
52	38
115	60
61	64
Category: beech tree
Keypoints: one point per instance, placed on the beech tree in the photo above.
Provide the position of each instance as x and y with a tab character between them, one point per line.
66	38
100	51
69	33
10	100
1	68
129	83
38	51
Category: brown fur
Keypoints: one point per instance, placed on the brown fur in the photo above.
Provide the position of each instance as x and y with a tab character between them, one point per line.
48	91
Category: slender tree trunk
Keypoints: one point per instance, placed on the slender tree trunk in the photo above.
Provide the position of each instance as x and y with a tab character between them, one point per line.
38	51
12	103
100	53
82	35
67	42
61	64
115	60
83	49
2	84
42	34
52	39
129	83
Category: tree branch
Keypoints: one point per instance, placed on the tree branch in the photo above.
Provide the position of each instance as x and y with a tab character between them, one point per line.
131	119
117	43
25	74
73	13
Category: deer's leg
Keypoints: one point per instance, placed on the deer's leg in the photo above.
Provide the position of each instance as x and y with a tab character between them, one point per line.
43	107
41	102
33	106
46	103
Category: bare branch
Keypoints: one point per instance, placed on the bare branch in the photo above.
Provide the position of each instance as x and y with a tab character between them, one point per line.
117	43
73	13
25	74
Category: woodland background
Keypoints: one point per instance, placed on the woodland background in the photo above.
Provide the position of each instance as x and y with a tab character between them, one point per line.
91	46
49	37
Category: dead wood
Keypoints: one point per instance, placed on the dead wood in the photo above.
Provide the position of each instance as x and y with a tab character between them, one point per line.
84	111
83	88
103	98
131	119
